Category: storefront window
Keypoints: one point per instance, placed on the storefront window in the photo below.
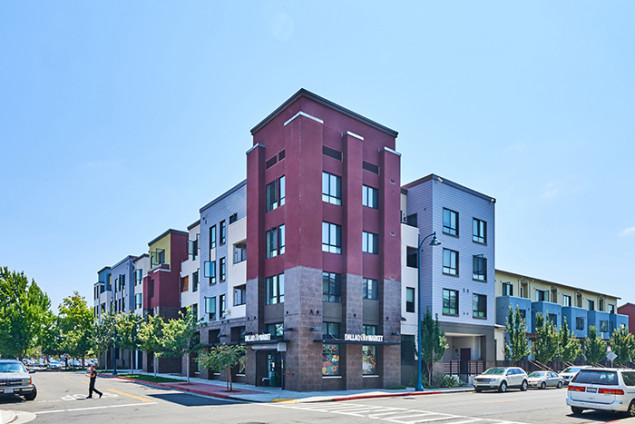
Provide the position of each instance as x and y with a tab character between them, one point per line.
369	360
330	359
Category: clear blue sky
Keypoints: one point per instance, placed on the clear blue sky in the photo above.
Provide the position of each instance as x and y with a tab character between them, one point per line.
120	119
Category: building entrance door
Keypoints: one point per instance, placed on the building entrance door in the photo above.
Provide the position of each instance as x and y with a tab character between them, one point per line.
466	355
275	365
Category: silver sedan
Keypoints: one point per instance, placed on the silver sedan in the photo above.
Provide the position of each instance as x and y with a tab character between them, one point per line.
544	379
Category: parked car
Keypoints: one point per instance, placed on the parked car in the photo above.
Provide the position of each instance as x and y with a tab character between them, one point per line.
570	372
544	379
14	379
501	378
604	389
55	365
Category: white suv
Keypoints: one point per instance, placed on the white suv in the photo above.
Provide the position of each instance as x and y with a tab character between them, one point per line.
14	379
606	389
501	378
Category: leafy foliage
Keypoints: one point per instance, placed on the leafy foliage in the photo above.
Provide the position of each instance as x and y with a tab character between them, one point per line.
594	347
178	337
516	346
546	345
104	333
568	345
151	334
75	321
23	312
128	326
223	357
623	345
433	342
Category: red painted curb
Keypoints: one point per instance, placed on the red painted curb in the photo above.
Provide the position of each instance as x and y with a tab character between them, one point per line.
354	397
167	386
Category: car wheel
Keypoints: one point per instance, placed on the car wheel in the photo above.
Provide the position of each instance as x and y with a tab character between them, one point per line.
523	386
576	410
631	409
478	389
503	387
560	384
543	385
31	395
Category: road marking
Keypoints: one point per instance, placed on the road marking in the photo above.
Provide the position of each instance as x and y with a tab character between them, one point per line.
142	399
93	408
502	401
83	396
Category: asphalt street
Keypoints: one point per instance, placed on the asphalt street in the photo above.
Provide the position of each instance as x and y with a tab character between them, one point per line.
62	399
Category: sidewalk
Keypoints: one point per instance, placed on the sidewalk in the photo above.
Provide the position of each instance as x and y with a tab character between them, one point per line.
248	393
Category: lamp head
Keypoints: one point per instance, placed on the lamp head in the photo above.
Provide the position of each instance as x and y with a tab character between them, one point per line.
434	241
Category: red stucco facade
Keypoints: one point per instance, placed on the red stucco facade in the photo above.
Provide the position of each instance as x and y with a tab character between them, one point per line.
628	309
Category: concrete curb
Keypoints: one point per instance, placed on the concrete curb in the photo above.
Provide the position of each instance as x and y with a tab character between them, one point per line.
6	416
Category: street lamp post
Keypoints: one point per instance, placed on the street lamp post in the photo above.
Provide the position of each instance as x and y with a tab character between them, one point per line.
114	341
433	242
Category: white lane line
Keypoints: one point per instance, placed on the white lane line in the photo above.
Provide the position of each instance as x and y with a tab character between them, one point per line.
95	407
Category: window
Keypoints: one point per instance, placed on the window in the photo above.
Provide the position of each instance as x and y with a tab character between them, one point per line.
331	188
566	300
591	305
370	242
210	307
331	287
185	284
192	248
611	309
223	233
579	323
410	299
553	319
212	237
479	231
369	353
604	326
209	271
233	218
222	305
195	281
450	302
411	257
138	276
275	193
276	330
275	241
330	330
450	262
369	289
239	295
331	238
330	359
479	268
222	269
629	378
138	300
450	222
274	289
479	306
412	220
151	286
508	289
240	252
157	257
370	197
541	295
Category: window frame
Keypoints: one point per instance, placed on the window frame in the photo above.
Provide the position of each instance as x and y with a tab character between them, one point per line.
479	268
449	270
478	301
479	231
370	289
449	310
331	287
331	188
332	231
411	305
209	271
370	243
274	289
449	227
370	197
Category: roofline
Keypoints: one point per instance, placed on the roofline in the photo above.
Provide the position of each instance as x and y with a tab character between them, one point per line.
142	256
558	284
450	183
123	260
224	195
166	232
198	221
324	102
103	269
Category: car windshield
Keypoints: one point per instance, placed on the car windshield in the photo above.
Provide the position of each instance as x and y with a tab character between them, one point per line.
571	370
495	371
12	367
605	378
537	374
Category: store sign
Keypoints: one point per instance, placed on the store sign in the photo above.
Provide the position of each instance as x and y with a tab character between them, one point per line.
363	338
258	337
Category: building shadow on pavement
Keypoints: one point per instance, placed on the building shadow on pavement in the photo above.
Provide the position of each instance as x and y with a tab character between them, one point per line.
185	399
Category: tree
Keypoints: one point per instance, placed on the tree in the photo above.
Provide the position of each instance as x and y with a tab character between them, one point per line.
223	357
104	334
433	342
568	345
23	311
178	337
594	347
151	338
76	324
517	348
623	345
51	336
546	345
128	333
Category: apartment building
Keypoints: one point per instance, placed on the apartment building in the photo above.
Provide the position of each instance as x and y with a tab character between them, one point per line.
141	268
102	293
457	277
628	309
556	301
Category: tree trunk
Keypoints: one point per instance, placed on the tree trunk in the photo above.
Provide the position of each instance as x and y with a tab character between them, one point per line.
187	367
132	352
229	378
156	364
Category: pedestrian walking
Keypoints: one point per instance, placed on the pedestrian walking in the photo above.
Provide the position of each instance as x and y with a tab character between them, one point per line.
92	373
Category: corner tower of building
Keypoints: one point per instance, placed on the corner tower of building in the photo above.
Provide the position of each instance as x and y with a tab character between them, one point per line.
323	248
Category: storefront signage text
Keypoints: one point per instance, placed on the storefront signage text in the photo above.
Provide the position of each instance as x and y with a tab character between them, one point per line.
363	338
257	337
